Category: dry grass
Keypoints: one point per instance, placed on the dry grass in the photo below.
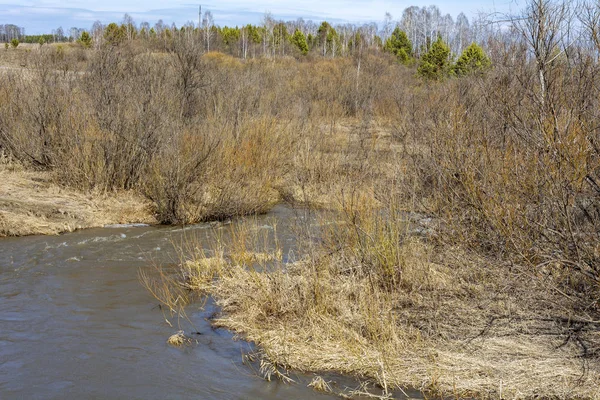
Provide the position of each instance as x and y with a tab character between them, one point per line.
178	339
497	298
320	384
31	204
449	323
341	326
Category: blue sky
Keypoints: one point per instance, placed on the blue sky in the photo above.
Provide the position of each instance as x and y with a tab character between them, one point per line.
41	16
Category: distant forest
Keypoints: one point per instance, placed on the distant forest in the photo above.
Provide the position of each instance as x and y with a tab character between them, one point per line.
420	27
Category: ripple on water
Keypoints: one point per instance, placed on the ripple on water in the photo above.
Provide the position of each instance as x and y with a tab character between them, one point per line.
115	226
80	324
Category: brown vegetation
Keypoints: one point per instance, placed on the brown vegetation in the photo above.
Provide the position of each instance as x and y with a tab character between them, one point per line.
32	204
374	301
207	136
460	252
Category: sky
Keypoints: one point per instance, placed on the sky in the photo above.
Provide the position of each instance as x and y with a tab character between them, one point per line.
42	16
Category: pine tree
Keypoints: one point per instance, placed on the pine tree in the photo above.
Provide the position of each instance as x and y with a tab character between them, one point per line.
399	45
299	40
14	43
473	59
230	36
114	34
328	39
85	39
435	64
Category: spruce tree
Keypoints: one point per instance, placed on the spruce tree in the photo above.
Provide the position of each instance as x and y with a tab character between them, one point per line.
114	34
328	39
473	59
435	64
299	40
85	39
399	45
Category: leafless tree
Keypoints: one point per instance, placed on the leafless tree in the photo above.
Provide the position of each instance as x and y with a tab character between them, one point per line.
589	15
207	25
545	28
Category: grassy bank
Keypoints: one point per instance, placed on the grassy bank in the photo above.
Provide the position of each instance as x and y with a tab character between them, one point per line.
375	299
32	204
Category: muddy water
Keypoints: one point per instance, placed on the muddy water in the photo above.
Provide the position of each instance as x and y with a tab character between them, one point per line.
76	323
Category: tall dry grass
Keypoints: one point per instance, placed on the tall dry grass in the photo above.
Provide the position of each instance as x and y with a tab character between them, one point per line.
371	299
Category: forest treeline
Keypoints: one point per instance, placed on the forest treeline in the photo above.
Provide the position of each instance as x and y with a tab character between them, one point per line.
274	37
410	36
495	159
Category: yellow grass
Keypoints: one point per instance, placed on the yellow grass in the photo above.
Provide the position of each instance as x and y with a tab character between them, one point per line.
30	204
452	324
178	339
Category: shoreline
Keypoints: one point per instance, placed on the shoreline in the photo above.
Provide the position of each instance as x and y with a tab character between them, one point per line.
31	204
454	324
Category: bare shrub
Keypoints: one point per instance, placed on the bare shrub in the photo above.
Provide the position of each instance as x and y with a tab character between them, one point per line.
176	178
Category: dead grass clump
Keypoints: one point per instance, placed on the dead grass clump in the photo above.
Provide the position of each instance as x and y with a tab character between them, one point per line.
269	370
178	339
320	384
198	274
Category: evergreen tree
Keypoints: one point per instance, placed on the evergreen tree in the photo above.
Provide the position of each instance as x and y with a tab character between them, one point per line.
14	43
328	39
435	64
114	34
399	45
85	39
254	34
473	59
299	40
230	36
280	34
312	41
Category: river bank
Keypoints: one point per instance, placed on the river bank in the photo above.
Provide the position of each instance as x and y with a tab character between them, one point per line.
403	314
31	204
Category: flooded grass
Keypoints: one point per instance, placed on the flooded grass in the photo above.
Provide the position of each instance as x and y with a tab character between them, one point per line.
178	339
407	318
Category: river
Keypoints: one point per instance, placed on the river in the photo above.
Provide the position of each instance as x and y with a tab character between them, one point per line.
76	323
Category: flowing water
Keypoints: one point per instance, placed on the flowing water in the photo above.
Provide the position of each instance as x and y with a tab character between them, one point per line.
76	323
